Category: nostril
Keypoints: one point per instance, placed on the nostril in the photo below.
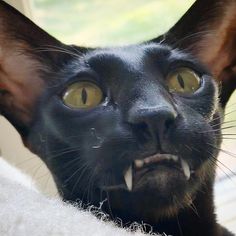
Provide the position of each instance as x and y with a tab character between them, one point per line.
168	123
142	130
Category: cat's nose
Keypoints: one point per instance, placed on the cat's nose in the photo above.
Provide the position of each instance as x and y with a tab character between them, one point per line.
157	120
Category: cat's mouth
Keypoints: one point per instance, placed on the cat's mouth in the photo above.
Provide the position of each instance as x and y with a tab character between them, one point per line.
139	168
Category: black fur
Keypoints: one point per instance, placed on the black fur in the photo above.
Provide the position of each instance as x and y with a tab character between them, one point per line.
88	151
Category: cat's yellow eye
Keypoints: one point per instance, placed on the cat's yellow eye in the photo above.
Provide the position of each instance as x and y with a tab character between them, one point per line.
83	95
183	80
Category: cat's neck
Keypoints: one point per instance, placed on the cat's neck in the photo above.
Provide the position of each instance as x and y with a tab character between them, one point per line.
198	219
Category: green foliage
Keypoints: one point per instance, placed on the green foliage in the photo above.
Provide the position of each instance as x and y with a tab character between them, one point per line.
114	22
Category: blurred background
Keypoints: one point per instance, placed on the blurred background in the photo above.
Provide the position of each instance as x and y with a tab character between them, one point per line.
114	22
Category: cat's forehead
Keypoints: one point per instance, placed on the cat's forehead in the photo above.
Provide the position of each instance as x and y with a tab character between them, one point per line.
133	54
133	57
141	63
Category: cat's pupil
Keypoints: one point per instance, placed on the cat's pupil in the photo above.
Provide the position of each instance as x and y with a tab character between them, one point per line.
180	80
84	96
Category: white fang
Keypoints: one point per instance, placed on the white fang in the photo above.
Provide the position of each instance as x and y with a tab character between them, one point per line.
129	178
139	163
185	168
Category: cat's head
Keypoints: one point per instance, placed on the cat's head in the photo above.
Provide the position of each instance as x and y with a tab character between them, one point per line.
137	125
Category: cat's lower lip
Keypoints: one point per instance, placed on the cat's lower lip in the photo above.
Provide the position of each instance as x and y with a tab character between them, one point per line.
155	160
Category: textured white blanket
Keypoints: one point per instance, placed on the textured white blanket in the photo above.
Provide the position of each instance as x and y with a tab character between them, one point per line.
24	211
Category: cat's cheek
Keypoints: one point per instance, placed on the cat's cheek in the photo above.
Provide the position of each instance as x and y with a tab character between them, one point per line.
205	172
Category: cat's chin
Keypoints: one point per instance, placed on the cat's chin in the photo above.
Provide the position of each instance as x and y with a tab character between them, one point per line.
163	179
160	192
160	184
166	182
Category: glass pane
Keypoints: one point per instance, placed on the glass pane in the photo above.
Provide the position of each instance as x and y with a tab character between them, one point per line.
98	22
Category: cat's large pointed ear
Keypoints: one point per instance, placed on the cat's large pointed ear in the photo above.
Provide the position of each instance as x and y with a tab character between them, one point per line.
208	31
24	61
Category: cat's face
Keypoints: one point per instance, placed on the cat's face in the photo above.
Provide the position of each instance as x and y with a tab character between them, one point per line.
136	125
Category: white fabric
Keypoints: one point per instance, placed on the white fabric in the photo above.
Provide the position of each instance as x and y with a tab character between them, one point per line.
24	211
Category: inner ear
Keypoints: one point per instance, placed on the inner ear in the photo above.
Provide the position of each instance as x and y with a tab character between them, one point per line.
21	85
28	55
208	31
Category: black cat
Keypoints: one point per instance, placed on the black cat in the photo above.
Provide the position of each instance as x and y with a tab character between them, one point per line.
137	127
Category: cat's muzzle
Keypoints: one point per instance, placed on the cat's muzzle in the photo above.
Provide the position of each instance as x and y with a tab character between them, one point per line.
141	167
